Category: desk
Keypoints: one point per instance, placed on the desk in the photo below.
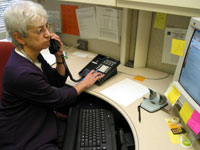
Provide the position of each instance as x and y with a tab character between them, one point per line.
152	132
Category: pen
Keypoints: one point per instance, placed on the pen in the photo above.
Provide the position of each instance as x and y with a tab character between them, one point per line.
139	113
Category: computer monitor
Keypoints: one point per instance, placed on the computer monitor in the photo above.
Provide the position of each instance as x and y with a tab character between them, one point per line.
187	74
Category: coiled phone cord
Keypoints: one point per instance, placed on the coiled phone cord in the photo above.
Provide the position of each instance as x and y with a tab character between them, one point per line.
67	70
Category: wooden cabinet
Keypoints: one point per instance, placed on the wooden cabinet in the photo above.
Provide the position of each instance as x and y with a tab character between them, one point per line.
97	2
178	7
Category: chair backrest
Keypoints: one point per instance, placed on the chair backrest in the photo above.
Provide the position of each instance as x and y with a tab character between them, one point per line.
5	49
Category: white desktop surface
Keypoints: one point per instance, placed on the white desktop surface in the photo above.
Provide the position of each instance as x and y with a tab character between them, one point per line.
152	132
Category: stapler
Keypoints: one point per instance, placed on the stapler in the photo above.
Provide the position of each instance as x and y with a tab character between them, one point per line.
154	102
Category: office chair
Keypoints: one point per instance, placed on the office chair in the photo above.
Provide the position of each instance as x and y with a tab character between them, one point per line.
5	49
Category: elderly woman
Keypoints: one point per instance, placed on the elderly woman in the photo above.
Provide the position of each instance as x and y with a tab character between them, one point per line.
29	96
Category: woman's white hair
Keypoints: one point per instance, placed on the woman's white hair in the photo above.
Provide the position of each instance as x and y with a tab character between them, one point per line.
20	15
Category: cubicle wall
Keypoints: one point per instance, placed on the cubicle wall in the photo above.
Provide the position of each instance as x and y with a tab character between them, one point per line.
155	50
154	59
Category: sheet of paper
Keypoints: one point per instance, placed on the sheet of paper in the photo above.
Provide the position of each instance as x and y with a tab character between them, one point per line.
186	112
87	22
172	94
178	47
170	34
48	56
194	122
107	23
82	54
160	20
125	92
54	18
69	19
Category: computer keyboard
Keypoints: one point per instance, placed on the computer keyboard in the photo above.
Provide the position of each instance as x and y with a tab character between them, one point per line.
95	130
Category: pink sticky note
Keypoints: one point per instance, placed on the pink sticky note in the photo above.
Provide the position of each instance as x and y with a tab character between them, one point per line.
194	122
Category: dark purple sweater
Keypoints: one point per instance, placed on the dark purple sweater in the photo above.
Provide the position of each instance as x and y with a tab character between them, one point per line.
29	98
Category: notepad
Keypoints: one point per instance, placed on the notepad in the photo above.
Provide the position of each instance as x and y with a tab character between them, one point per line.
194	122
186	112
172	94
125	91
178	47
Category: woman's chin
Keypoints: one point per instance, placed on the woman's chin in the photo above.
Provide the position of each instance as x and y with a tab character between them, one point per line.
46	45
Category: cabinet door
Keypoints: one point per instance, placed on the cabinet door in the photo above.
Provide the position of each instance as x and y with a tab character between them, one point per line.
98	2
179	7
183	3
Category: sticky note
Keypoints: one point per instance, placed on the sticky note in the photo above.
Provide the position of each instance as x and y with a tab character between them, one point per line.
139	78
175	139
160	20
194	122
186	112
173	94
178	47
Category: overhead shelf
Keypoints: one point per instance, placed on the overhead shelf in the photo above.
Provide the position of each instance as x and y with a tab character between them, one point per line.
185	8
97	2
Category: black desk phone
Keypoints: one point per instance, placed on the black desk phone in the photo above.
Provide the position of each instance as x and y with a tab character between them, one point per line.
103	64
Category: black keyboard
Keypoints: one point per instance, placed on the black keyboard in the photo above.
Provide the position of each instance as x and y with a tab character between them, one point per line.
95	130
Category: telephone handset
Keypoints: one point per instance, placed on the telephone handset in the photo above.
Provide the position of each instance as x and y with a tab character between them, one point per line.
55	47
103	64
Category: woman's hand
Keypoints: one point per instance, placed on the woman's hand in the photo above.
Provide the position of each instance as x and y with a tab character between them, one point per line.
88	81
91	78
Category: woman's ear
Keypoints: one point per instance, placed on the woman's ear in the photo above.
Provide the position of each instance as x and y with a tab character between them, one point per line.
18	38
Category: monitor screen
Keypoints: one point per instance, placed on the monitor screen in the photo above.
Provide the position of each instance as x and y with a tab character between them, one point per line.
190	73
187	74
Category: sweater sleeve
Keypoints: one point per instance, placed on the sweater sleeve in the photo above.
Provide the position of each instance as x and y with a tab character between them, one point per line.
52	75
31	86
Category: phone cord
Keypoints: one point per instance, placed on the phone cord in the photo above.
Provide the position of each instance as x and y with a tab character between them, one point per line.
67	70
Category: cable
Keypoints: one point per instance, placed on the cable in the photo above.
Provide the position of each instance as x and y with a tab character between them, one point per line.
67	70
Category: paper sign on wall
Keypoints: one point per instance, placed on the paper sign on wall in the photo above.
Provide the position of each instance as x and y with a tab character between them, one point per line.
69	19
107	24
87	22
170	34
54	18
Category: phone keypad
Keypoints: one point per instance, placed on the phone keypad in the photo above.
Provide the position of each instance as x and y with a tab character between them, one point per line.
109	62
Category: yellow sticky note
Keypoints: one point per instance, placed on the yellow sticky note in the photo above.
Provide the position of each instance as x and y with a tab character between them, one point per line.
186	112
160	20
175	139
173	95
139	78
178	47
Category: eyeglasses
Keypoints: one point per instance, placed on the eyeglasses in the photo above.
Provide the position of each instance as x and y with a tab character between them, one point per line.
42	29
